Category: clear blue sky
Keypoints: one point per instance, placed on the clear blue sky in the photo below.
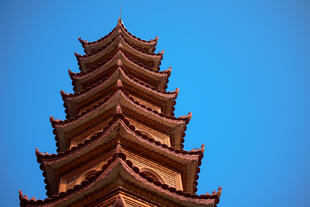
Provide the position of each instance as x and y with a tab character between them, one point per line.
243	69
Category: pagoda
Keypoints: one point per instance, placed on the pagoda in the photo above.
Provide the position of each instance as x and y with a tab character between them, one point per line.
120	144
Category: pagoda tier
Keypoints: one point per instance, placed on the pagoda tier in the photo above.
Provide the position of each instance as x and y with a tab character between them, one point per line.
89	62
155	79
120	144
79	102
64	170
165	129
121	177
137	43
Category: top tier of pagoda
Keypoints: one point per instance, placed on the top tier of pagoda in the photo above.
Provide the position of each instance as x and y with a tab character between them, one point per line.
120	142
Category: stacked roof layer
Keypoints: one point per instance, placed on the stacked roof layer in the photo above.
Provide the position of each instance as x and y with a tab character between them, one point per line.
121	144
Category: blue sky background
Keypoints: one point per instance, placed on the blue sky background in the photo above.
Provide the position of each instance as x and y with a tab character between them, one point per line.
242	68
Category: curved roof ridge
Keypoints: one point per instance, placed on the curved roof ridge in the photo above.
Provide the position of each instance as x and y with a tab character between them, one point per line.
108	99
128	77
82	74
147	86
121	47
145	41
118	117
144	108
152	42
119	39
88	88
120	158
86	43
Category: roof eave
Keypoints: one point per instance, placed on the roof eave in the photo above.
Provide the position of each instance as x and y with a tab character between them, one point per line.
115	166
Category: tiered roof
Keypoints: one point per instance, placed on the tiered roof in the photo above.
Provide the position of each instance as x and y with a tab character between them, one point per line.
90	61
142	45
125	176
165	100
119	112
83	80
120	127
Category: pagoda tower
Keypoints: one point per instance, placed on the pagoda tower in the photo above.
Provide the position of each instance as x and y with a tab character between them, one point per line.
121	144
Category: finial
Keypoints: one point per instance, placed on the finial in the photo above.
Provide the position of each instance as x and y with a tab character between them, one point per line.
120	11
38	152
81	41
119	62
21	196
71	73
177	90
77	55
52	120
20	193
118	147
119	22
202	148
118	109
63	93
119	83
167	71
189	115
219	191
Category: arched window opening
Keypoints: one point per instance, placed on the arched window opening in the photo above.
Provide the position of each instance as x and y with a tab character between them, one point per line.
89	174
153	175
